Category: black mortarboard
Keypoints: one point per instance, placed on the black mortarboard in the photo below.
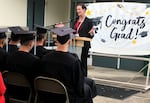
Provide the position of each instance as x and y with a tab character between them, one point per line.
16	29
63	34
3	32
143	34
14	32
41	30
26	36
63	31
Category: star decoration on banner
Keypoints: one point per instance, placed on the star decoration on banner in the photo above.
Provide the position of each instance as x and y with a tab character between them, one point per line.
134	41
147	13
88	13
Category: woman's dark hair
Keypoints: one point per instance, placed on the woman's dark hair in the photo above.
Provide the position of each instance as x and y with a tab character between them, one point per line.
83	6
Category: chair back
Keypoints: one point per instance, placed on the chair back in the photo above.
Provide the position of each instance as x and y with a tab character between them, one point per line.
50	85
17	79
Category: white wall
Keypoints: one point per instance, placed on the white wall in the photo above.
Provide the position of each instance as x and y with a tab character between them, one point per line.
13	12
56	11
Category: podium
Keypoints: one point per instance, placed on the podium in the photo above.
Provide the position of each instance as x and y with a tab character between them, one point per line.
79	41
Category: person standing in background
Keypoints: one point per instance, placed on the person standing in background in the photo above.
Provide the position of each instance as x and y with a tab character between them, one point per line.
84	28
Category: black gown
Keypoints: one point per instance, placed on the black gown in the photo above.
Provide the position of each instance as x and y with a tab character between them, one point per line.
40	51
26	64
66	67
3	56
22	62
11	48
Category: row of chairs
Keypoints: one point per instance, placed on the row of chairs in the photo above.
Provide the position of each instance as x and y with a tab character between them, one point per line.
41	83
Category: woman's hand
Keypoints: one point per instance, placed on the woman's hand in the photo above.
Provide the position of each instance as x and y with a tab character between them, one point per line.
92	31
59	25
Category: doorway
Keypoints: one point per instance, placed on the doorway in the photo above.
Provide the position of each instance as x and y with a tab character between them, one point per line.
35	13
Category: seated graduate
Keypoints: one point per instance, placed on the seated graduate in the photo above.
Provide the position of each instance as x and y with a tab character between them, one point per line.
23	62
3	54
66	67
41	39
14	42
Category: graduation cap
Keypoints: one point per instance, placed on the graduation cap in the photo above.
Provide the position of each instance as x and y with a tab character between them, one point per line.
3	32
14	32
144	34
26	36
41	30
63	31
63	34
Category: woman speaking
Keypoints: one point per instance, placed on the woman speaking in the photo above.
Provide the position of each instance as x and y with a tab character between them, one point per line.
84	28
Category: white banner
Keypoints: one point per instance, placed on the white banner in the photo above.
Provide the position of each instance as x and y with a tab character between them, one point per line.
121	28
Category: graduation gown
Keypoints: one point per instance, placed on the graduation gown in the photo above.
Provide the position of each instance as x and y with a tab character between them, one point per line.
40	51
11	48
3	56
22	62
2	89
65	67
26	64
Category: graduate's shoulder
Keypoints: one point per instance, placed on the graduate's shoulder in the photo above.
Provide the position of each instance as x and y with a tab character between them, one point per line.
74	55
24	55
3	53
71	56
33	56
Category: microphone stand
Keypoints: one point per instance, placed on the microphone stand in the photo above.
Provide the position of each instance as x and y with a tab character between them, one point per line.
49	27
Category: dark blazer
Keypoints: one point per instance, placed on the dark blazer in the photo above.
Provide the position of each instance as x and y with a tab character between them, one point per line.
85	28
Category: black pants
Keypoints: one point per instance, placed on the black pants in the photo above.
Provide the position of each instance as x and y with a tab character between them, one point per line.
89	91
84	55
92	85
